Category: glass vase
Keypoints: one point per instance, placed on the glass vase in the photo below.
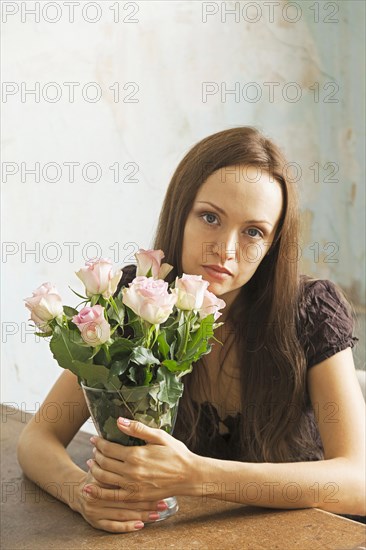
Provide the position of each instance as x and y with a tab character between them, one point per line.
136	403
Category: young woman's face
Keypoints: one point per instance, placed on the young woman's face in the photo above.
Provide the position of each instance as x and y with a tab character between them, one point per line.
232	224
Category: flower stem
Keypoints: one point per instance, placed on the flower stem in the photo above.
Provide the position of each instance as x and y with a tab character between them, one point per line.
107	354
183	346
156	334
113	304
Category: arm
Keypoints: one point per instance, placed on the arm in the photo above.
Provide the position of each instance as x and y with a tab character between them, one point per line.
42	439
336	484
43	458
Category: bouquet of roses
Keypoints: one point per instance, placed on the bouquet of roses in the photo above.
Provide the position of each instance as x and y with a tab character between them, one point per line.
171	327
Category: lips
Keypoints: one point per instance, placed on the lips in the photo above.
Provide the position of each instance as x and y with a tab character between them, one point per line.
218	269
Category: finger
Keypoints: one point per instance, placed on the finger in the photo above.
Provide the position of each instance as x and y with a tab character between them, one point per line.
109	449
109	464
115	451
141	431
136	429
119	526
97	498
103	476
118	514
124	494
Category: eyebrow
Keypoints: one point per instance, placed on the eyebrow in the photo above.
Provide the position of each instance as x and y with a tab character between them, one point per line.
223	212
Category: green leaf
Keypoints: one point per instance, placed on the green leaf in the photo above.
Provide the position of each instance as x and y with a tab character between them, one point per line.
178	367
113	383
121	346
146	419
172	349
69	355
171	389
165	421
169	332
171	364
143	356
134	322
80	296
119	367
163	345
133	374
92	374
181	330
112	314
198	344
119	296
70	311
65	349
100	357
95	352
195	353
75	335
148	376
94	299
188	368
136	395
205	330
113	433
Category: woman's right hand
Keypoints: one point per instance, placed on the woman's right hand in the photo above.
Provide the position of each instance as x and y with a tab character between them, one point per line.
114	516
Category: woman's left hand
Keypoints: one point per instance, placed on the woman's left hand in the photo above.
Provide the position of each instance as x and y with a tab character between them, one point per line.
162	468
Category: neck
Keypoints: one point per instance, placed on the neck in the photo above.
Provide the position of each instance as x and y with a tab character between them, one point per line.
229	299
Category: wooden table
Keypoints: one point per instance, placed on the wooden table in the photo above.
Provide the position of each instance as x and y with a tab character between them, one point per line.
31	518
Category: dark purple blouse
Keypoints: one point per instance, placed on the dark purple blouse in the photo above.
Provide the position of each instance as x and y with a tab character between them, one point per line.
325	319
325	327
327	322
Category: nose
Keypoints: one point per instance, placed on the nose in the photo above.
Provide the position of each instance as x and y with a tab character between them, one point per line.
229	247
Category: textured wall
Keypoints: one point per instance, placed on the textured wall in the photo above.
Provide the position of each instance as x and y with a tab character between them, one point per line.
295	70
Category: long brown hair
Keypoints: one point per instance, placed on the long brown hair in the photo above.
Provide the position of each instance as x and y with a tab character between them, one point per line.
265	312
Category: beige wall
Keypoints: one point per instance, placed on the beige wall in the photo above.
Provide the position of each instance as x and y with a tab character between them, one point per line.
179	61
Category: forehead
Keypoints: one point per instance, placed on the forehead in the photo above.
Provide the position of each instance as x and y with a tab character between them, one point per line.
239	189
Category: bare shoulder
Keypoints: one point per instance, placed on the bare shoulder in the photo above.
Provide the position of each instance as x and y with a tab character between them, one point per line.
63	411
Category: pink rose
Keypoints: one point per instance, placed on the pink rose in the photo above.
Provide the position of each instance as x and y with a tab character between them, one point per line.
211	304
190	291
94	328
44	305
150	260
98	278
149	298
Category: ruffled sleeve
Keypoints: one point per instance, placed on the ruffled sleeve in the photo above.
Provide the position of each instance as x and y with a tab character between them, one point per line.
327	324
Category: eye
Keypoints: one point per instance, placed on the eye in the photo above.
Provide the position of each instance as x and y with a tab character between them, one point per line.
210	216
259	233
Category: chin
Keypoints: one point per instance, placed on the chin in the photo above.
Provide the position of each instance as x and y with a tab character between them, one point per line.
217	289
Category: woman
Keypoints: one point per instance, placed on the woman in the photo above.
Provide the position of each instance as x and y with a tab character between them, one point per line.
274	417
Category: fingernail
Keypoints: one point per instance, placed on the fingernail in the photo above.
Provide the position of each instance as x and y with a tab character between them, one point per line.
93	440
139	525
154	515
94	450
89	462
88	489
124	421
162	505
